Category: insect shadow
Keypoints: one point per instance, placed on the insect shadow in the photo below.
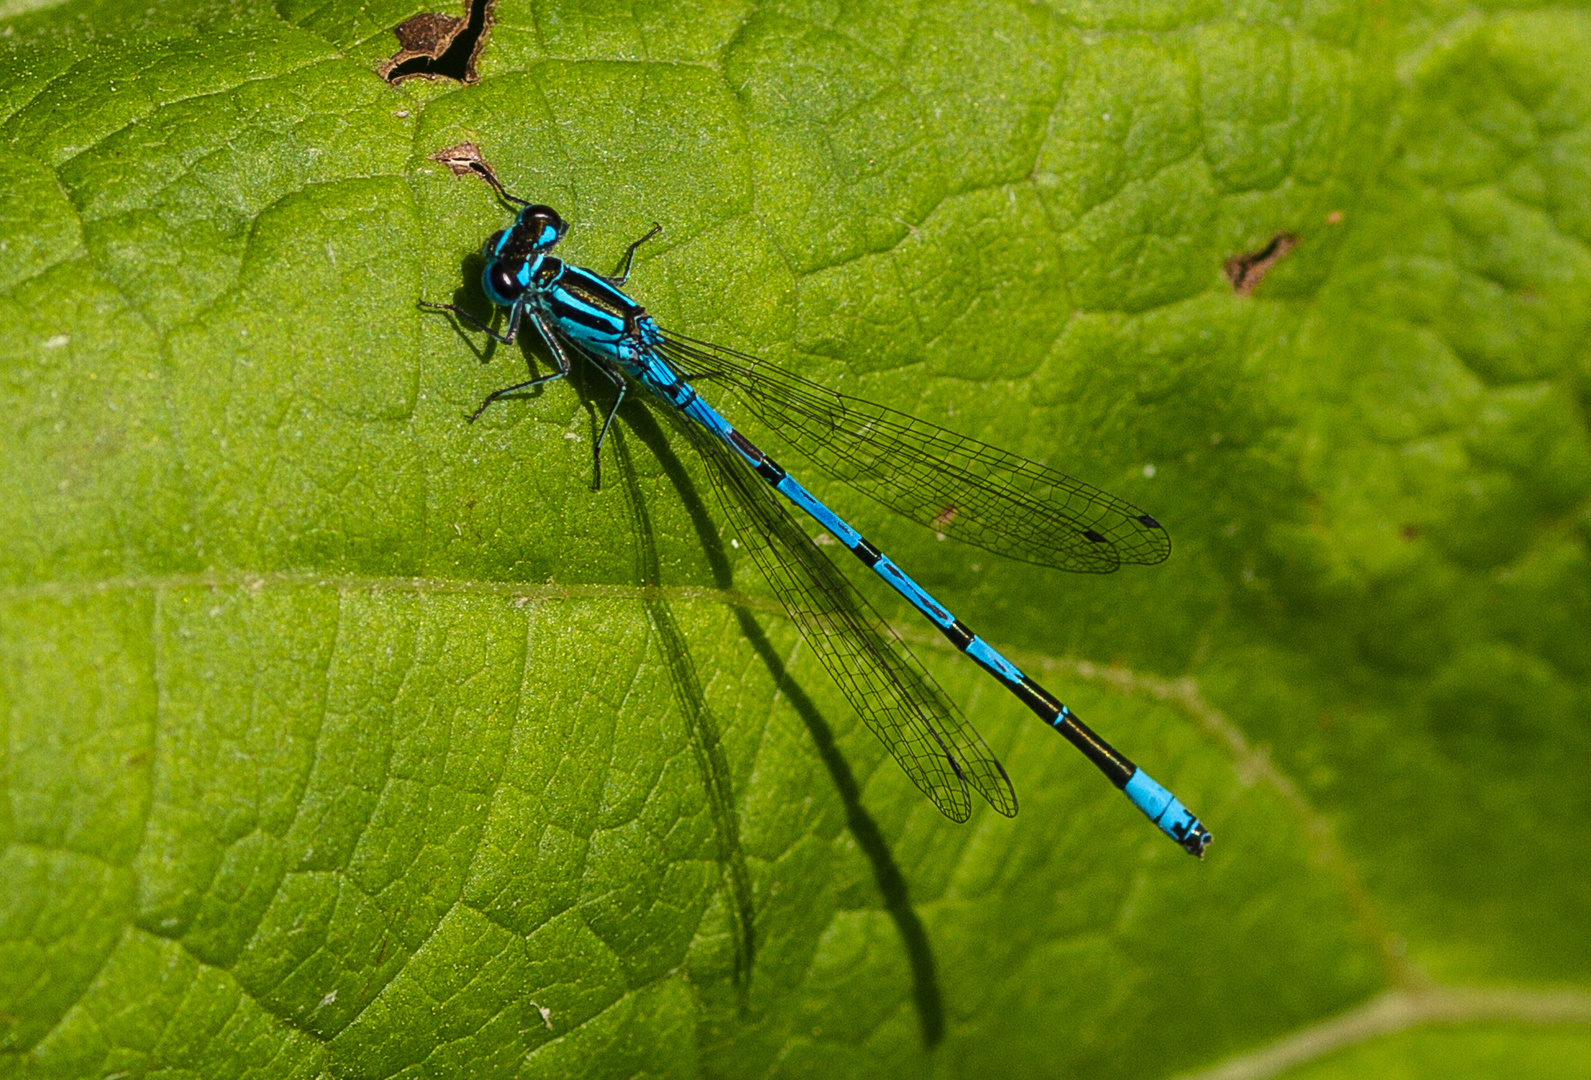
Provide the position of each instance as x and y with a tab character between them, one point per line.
639	420
892	886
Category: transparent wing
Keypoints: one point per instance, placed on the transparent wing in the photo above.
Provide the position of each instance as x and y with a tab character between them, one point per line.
958	486
895	696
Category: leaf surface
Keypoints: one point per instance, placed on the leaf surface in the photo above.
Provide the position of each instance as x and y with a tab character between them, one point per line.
345	737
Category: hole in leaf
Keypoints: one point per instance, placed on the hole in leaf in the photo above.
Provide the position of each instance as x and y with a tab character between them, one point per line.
437	46
1246	271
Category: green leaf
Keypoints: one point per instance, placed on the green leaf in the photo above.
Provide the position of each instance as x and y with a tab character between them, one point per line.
345	737
1472	1052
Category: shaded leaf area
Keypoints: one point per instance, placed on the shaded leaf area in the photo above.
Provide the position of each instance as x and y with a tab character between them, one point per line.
1434	604
275	807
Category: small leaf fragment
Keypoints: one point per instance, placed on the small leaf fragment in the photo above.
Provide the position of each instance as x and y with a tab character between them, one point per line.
1246	271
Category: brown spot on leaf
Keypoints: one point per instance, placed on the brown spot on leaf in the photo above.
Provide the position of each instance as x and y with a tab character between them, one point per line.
1409	533
1334	218
1246	271
465	159
946	516
437	46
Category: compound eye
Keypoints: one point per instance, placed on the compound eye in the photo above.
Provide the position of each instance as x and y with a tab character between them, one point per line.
543	225
502	282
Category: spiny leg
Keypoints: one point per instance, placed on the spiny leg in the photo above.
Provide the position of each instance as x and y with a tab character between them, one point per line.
505	391
558	357
621	273
484	171
459	313
622	386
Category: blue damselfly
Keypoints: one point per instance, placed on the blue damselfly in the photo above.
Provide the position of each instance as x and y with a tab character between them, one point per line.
951	483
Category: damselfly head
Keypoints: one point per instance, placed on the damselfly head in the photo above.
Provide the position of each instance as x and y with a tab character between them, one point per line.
504	281
539	227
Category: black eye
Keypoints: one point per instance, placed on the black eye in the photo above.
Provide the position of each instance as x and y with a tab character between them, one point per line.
501	282
493	242
542	226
